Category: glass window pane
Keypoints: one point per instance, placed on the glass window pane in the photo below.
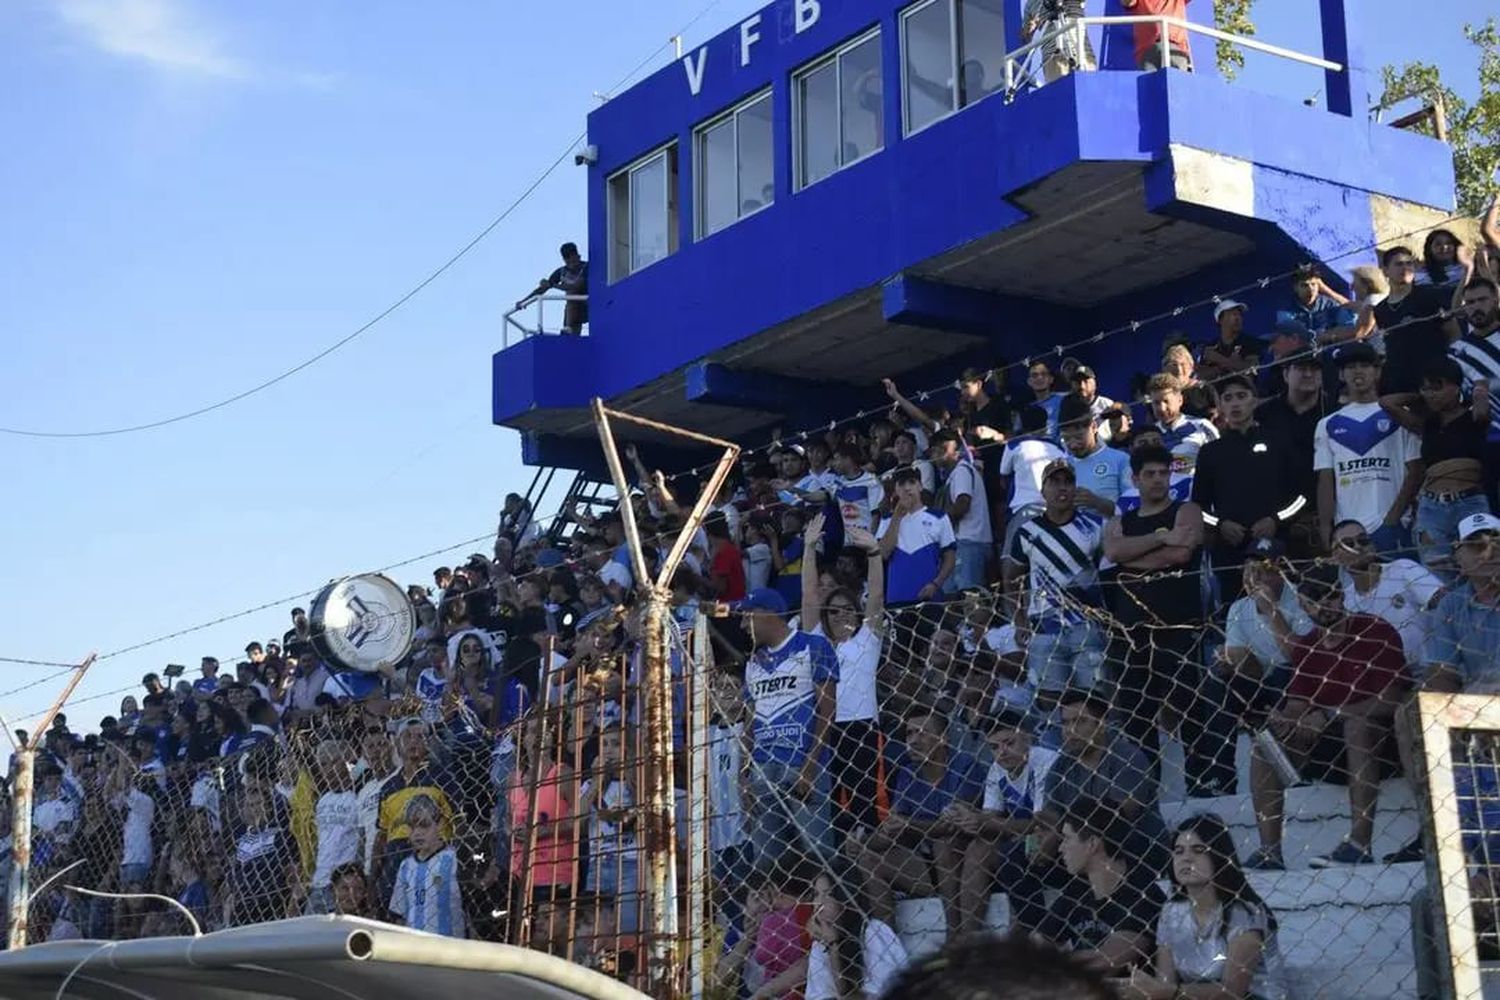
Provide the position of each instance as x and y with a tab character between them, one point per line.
757	189
862	109
818	124
981	39
648	213
619	227
929	64
717	200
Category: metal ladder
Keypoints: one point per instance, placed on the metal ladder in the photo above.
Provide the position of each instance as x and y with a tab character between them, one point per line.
586	495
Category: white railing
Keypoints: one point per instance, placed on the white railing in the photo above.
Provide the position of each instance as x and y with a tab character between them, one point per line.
539	329
1078	27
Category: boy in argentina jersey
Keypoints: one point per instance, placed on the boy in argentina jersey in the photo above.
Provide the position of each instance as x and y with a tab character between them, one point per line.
790	690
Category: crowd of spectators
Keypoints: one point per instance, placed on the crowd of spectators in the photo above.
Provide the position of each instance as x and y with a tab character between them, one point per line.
948	645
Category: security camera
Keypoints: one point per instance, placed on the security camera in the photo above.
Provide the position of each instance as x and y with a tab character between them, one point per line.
588	155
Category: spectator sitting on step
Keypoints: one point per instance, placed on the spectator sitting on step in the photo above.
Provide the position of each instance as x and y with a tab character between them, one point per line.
1100	763
1322	311
850	956
1215	932
769	959
919	848
995	858
571	279
1253	663
1109	912
1348	677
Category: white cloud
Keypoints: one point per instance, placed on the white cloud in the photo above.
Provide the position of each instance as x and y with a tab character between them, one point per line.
158	32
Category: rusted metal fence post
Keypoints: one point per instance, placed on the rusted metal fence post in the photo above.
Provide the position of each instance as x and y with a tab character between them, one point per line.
20	817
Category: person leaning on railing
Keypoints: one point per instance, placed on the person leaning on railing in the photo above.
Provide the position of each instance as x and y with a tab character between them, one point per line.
571	279
1148	34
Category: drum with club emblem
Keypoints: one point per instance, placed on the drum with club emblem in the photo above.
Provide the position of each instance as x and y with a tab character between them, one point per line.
359	622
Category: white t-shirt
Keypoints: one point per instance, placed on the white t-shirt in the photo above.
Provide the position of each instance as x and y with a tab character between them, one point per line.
1367	452
1024	460
205	795
859	659
1401	597
339	834
965	480
884	957
368	804
857	500
140	810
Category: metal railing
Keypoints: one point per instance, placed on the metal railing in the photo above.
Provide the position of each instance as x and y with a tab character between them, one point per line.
1078	28
512	323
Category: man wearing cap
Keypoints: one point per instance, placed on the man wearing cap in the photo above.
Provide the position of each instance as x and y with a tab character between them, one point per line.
791	682
1245	482
1234	350
1103	473
1463	647
1053	566
1086	388
1299	401
1369	466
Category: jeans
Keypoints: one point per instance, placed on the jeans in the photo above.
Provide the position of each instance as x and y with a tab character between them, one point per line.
856	759
733	866
134	875
969	568
1160	667
319	900
780	822
1437	528
1392	541
1151	59
618	877
1067	658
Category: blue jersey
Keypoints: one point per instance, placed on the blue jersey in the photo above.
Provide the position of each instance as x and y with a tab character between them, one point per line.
782	686
1105	472
426	895
921	540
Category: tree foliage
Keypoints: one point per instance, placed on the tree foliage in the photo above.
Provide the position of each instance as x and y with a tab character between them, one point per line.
1473	127
1232	16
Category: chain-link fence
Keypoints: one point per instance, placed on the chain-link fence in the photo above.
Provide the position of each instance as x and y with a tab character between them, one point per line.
1204	800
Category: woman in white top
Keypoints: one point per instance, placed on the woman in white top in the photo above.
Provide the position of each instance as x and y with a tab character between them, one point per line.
856	638
851	958
1216	937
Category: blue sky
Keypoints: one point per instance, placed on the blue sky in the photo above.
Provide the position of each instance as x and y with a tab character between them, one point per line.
196	196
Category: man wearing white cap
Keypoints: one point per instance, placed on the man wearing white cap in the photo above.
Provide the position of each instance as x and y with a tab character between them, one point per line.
1463	648
1463	641
1233	351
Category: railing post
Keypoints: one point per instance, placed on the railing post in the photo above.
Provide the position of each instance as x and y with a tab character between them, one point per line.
1166	50
20	831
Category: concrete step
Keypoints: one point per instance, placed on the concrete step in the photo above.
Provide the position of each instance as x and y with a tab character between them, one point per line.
1317	818
1343	932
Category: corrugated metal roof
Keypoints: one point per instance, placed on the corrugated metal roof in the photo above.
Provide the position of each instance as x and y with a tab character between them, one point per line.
307	958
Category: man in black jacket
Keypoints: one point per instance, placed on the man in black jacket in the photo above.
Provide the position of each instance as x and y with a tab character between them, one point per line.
1246	482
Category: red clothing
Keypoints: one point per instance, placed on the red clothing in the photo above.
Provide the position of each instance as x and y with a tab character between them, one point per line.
727	570
1148	36
1368	661
782	940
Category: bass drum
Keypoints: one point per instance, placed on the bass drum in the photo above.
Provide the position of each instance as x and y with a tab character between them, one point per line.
360	622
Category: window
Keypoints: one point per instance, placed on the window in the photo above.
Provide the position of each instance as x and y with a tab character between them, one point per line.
837	110
733	173
952	54
643	213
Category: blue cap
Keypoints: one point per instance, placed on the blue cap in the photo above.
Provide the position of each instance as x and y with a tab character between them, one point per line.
761	599
1266	548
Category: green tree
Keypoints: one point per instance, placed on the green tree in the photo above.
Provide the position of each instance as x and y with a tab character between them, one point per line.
1232	16
1473	128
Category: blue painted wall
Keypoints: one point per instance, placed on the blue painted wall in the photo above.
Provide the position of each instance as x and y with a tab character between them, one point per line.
938	189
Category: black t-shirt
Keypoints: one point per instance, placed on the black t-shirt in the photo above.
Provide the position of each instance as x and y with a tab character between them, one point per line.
995	414
1418	341
1157	597
1462	437
1079	921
